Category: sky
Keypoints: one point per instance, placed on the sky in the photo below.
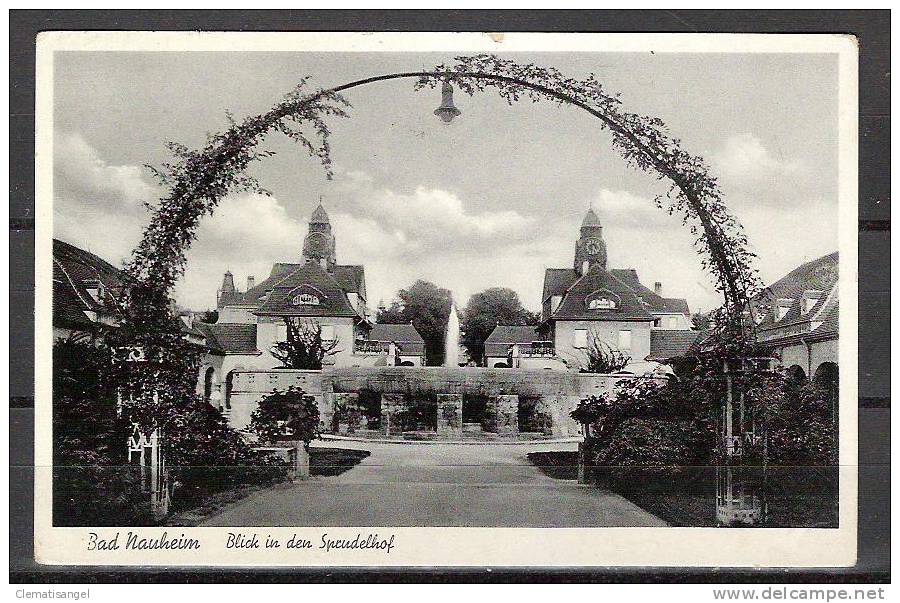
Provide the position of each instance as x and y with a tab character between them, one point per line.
492	199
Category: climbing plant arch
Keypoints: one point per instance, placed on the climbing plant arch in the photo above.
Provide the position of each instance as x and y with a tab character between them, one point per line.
197	180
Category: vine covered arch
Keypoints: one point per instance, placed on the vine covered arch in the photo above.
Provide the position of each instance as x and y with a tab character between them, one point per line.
197	180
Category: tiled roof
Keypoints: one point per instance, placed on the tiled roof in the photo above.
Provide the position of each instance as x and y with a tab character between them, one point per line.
395	332
655	303
818	275
68	308
512	334
73	270
590	219
557	280
351	279
498	342
666	344
66	252
332	301
229	337
573	307
404	335
829	326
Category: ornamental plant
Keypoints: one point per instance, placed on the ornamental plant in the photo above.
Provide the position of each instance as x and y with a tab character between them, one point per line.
600	357
304	347
93	484
288	415
664	428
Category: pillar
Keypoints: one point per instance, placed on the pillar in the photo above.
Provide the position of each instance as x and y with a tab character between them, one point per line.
348	406
301	461
392	405
449	415
507	414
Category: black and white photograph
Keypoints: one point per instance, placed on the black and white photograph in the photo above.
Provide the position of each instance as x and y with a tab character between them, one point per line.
321	291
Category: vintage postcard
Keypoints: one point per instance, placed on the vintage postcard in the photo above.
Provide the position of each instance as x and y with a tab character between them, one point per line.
456	299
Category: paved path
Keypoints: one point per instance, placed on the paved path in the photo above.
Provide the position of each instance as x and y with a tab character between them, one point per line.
437	485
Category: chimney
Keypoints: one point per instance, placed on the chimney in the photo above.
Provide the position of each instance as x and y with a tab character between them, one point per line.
657	288
251	282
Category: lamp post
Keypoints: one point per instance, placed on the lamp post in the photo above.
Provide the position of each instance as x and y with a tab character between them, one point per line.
447	111
741	477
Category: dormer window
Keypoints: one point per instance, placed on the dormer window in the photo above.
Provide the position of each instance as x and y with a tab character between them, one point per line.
782	308
602	301
305	299
95	289
811	297
306	295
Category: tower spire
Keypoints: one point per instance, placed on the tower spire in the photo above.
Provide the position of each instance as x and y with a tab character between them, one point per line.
318	246
590	249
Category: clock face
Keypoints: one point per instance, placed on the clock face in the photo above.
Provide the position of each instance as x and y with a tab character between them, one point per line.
592	246
317	244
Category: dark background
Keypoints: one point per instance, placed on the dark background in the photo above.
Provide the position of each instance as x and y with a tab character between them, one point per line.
872	29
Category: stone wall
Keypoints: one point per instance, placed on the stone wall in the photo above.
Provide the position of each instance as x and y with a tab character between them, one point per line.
558	393
249	387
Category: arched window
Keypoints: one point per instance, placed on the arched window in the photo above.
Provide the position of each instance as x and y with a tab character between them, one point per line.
306	295
796	374
826	375
208	384
602	300
229	384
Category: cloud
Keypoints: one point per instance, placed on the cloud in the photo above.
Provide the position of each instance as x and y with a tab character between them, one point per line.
423	232
97	205
247	234
744	159
80	174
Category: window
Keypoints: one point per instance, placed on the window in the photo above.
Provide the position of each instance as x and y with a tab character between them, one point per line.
327	332
554	302
673	322
624	339
601	303
305	299
580	340
601	300
306	295
810	299
229	387
657	322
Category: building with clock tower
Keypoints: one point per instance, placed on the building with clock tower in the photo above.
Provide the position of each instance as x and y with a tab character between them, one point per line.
591	302
590	248
316	289
319	245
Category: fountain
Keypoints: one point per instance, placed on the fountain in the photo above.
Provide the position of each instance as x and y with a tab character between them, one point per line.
451	338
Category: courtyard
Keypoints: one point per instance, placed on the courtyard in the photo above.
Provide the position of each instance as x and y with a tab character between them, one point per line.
439	485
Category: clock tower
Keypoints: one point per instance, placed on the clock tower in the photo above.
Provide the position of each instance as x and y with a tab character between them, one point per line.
590	249
319	246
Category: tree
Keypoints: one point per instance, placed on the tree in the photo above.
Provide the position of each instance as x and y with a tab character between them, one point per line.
427	307
600	357
486	310
700	321
289	415
304	347
93	484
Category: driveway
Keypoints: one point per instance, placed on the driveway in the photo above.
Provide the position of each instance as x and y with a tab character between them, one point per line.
437	485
